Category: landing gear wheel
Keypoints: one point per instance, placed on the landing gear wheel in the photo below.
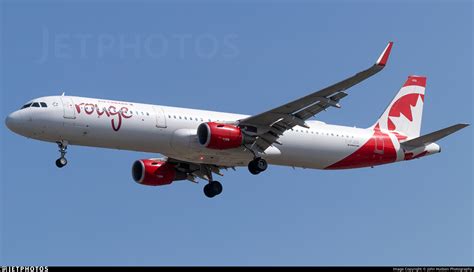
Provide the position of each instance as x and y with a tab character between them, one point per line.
61	162
257	166
261	164
217	187
212	189
253	168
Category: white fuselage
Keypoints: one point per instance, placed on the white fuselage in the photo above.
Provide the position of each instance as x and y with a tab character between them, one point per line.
171	131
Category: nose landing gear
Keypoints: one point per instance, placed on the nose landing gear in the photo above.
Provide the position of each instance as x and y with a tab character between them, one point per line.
62	161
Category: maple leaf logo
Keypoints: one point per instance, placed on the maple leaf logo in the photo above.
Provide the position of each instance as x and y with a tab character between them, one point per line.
405	114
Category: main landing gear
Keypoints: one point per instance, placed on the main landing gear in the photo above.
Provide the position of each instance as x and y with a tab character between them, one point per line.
61	162
213	188
257	165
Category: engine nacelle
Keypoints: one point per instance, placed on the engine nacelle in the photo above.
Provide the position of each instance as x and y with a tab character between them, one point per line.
219	136
155	172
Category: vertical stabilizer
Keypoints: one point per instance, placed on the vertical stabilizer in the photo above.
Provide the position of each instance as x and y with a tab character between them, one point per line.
404	113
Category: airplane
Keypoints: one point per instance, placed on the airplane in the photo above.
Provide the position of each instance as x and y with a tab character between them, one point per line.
198	144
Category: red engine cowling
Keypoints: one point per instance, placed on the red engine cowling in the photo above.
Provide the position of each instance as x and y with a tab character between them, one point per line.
155	172
219	136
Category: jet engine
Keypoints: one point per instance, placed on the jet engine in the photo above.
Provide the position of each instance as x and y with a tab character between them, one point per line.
155	172
219	136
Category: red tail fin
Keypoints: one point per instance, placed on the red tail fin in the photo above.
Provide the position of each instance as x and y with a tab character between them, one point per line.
404	113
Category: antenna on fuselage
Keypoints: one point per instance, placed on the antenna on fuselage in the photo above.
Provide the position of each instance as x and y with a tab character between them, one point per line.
63	93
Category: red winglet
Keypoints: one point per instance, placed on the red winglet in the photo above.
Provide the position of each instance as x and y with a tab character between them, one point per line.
382	61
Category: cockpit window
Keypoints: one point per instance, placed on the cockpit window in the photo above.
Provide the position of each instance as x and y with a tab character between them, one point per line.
26	106
35	104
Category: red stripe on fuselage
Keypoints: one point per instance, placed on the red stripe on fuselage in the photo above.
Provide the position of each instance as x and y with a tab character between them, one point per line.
370	154
409	156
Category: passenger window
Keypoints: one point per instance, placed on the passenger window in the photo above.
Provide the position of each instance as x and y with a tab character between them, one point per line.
43	105
36	105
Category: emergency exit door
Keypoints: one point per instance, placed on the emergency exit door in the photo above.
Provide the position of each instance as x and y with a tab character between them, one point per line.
160	117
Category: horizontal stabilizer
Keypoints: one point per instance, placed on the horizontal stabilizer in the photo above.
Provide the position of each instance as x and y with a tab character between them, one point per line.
433	136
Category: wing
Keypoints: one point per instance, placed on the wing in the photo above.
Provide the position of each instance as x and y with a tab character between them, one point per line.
267	127
196	170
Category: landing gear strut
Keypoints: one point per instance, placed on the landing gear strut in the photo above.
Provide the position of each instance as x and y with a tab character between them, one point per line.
257	165
61	162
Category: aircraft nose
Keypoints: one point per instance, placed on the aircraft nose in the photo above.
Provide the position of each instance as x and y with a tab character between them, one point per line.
14	121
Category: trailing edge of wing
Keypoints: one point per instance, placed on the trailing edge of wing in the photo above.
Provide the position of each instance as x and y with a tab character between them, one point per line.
434	136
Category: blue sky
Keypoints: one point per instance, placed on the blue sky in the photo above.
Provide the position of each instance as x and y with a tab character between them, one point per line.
238	57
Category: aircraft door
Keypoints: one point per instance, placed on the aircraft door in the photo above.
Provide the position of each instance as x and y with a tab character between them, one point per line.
68	107
160	117
379	144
